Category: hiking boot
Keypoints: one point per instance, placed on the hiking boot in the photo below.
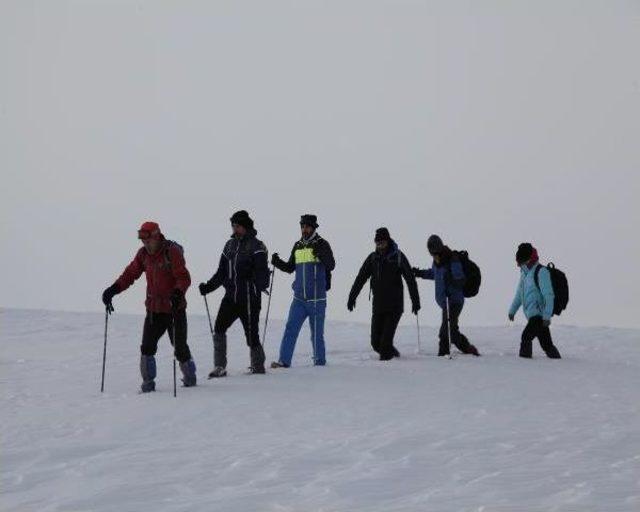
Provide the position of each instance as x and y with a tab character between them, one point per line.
473	350
148	387
148	373
188	369
278	364
218	372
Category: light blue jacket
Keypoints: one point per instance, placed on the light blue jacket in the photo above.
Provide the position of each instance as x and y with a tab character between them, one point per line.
534	301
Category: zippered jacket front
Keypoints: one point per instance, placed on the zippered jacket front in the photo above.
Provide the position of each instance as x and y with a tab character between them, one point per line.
243	269
312	260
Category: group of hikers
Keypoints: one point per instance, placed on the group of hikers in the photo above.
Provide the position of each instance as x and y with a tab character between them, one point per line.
243	271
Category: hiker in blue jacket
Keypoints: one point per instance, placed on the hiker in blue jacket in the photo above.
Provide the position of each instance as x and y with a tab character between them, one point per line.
312	260
536	300
448	274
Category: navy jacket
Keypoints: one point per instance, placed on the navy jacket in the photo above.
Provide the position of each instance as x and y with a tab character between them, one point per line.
243	269
449	278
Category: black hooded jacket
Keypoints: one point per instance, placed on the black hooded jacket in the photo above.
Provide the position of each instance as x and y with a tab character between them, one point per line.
386	272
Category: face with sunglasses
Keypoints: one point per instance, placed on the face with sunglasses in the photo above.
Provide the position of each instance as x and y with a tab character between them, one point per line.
151	241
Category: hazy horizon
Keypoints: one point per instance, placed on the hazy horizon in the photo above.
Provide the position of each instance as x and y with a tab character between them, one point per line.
488	123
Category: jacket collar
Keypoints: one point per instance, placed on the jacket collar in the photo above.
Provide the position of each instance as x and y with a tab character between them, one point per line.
310	239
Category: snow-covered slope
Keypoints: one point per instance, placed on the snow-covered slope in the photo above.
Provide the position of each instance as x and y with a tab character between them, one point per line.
495	433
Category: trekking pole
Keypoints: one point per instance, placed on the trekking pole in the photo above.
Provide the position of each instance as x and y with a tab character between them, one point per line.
173	327
249	323
449	330
315	313
206	305
104	350
266	320
418	326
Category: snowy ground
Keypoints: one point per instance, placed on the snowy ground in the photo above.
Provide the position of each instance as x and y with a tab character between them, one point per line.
494	433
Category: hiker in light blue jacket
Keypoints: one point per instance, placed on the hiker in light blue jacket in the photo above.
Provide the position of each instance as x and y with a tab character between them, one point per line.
535	295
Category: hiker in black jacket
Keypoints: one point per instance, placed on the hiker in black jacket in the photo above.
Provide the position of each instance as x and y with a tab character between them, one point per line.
243	272
386	267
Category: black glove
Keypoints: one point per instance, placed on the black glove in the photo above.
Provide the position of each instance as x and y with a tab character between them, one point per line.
511	317
546	323
416	271
176	299
275	259
107	297
415	308
204	288
351	303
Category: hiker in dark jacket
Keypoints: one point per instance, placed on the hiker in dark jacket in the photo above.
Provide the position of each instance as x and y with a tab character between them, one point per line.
168	279
244	273
536	298
312	261
448	274
385	267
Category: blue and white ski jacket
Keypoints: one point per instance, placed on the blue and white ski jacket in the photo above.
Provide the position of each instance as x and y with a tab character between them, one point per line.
312	260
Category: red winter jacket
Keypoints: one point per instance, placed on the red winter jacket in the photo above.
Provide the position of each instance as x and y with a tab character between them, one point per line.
165	271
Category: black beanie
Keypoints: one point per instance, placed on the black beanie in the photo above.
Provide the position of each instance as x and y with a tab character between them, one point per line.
434	245
309	220
382	234
524	253
242	219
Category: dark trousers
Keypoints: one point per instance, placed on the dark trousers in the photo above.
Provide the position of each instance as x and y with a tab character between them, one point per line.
383	329
535	328
228	313
457	338
156	324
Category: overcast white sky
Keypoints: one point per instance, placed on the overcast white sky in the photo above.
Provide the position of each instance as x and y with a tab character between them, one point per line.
490	123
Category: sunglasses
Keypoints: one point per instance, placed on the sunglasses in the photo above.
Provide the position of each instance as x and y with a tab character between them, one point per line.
143	234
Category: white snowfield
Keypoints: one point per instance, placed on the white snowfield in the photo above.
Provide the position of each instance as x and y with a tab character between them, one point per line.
421	433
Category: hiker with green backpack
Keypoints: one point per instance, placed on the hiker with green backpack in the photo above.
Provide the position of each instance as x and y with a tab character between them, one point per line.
456	277
539	299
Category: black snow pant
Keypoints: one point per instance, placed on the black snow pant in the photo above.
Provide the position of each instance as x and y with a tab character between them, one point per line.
457	338
228	313
536	329
383	329
156	324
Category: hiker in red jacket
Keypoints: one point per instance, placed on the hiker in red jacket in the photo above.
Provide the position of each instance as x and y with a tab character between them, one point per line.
168	279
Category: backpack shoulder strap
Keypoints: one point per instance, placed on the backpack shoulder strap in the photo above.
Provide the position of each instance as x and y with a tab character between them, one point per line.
535	276
167	251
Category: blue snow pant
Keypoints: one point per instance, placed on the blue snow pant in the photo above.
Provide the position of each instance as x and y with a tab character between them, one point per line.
299	311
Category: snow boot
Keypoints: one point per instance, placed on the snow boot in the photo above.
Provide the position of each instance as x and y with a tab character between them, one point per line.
473	350
218	372
526	349
257	359
219	351
148	373
188	369
553	353
278	364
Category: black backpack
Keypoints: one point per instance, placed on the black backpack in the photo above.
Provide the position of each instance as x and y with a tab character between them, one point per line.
171	243
472	274
560	287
